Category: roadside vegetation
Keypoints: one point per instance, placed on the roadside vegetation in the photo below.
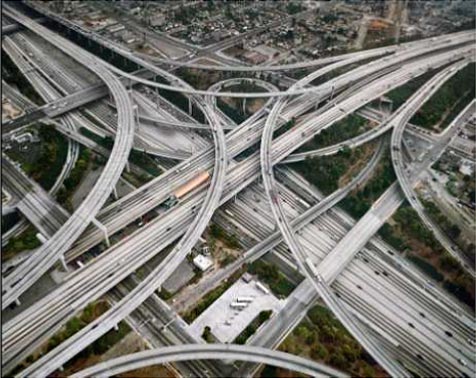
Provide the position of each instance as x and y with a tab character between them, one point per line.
210	297
407	233
284	128
74	179
230	241
9	220
361	199
26	241
438	112
451	229
207	335
342	130
251	329
12	75
328	173
321	337
271	275
139	158
143	160
402	93
92	352
233	107
43	161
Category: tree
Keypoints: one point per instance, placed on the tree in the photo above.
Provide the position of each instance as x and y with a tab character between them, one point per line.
207	334
338	360
454	231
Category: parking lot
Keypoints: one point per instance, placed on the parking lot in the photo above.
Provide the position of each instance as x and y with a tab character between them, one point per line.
226	322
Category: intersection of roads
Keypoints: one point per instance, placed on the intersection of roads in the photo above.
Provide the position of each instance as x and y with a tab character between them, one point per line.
404	327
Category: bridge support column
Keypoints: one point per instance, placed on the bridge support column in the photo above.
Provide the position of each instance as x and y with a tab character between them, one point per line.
17	302
114	192
128	167
103	229
136	113
116	327
63	263
244	106
190	107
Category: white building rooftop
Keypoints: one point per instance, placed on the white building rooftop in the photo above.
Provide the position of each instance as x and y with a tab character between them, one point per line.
202	262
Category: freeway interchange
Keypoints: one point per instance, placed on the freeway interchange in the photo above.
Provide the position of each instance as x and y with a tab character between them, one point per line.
330	272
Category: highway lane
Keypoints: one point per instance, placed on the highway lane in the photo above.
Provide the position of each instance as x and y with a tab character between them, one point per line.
56	226
161	326
237	140
405	182
297	91
21	100
270	241
306	265
26	274
209	351
384	207
155	279
411	303
96	111
416	297
132	56
386	254
266	170
73	101
145	140
144	196
33	201
47	93
281	67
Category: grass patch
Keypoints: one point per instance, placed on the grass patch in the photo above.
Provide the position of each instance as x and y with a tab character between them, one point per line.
106	142
407	232
141	159
74	325
210	297
360	200
426	267
344	129
402	93
230	241
448	101
236	114
284	128
270	274
54	149
262	317
26	241
323	338
74	179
